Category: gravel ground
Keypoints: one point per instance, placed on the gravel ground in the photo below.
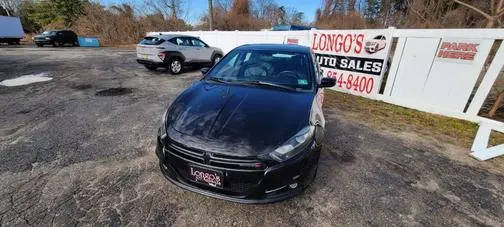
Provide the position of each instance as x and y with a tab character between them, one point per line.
74	153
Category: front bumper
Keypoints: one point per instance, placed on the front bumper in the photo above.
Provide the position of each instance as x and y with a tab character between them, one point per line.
43	41
150	62
267	185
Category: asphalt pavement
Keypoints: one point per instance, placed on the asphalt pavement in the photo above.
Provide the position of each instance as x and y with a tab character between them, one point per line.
79	150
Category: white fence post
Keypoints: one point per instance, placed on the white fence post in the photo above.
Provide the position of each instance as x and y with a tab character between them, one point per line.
487	83
480	149
401	43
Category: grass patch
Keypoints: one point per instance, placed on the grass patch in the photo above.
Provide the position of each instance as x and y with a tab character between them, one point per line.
384	115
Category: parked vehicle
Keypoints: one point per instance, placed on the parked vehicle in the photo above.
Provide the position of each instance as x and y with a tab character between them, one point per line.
56	38
11	30
290	27
174	51
251	129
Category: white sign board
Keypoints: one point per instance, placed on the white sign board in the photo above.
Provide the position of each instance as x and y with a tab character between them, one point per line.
357	59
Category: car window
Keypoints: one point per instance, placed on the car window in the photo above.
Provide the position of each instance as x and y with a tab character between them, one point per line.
282	68
176	41
186	41
181	41
173	40
49	33
152	41
198	43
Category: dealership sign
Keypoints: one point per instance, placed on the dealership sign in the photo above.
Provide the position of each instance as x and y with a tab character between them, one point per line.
357	59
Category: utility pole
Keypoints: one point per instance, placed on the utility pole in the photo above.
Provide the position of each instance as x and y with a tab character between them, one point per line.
210	14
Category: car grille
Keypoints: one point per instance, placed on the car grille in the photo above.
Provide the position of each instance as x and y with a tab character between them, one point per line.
216	160
242	177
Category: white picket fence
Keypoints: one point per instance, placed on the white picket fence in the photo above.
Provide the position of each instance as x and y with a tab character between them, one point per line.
416	78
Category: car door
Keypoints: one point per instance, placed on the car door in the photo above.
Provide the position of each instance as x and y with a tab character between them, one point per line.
184	46
189	50
204	52
60	37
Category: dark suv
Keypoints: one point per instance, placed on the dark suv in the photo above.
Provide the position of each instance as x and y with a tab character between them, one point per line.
56	38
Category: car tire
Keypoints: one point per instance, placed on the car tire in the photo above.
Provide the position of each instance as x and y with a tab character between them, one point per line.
151	67
175	65
75	44
56	44
216	59
40	45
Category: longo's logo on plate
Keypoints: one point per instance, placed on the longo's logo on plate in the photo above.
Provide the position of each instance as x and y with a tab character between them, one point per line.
208	177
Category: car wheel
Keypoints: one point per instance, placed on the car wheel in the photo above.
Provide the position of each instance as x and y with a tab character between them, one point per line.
56	44
151	67
175	66
216	59
40	45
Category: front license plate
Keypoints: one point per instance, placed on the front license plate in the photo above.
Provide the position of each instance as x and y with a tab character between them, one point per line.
144	56
206	176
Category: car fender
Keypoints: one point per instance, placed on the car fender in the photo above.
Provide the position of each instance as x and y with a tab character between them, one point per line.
171	54
216	52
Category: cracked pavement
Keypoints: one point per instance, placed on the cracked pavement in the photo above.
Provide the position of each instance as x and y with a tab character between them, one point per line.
70	157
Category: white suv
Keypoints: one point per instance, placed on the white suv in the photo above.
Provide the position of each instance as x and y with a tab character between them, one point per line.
174	51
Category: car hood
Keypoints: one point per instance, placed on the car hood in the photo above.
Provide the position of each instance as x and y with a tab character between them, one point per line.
237	120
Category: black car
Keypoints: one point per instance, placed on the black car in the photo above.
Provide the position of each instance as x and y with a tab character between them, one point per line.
250	130
56	38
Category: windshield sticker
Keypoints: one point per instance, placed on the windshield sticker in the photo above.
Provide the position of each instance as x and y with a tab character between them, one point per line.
302	82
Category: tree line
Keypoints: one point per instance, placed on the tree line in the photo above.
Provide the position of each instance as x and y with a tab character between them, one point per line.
410	13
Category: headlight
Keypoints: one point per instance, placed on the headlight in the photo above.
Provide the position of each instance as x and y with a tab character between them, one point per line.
163	125
288	149
48	38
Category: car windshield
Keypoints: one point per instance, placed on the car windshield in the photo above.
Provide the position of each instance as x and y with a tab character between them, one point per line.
48	33
152	41
264	67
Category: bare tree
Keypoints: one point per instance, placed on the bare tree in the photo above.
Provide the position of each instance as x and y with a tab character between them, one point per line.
10	6
496	11
170	8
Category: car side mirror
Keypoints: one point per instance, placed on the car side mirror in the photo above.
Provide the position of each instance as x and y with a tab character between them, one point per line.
204	70
327	82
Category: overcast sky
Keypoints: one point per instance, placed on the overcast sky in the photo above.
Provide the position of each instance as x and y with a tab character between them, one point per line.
198	7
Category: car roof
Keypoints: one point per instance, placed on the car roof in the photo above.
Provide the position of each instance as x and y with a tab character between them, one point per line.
169	36
57	30
276	47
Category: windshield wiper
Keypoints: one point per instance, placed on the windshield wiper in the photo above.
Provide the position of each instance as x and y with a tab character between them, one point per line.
262	83
219	80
